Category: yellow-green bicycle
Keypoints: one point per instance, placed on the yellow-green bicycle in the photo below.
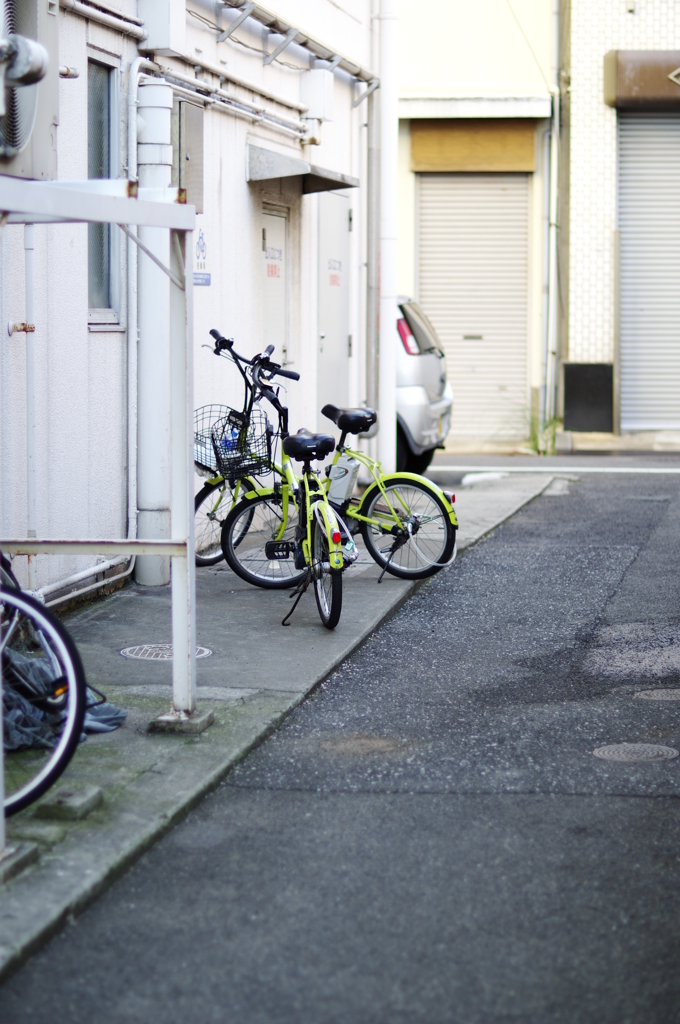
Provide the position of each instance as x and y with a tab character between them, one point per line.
242	445
407	523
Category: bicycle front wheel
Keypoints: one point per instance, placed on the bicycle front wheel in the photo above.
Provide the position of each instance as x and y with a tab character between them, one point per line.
249	527
211	507
327	581
43	698
411	534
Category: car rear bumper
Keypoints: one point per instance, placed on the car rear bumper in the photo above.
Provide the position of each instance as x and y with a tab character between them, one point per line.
425	423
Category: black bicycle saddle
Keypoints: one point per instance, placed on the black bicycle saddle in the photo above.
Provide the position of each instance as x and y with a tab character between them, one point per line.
304	445
354	421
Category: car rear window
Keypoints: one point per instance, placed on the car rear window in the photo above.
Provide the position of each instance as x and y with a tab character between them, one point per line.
423	331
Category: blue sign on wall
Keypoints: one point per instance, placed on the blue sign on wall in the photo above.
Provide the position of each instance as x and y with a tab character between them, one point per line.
201	278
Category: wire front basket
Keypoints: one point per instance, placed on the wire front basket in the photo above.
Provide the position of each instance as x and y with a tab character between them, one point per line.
242	445
204	419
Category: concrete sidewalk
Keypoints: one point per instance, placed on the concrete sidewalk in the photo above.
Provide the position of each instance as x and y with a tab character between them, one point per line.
256	673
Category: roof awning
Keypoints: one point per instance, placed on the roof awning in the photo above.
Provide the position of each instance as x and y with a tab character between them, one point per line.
265	164
321	180
455	107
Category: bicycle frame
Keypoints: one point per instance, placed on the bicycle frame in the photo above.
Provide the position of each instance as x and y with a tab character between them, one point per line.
379	478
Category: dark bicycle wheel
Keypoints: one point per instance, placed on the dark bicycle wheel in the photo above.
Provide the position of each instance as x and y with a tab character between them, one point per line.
43	698
7	577
211	508
327	581
249	528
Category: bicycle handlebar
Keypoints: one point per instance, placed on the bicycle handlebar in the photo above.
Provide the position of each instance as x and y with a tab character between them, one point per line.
220	342
279	372
261	362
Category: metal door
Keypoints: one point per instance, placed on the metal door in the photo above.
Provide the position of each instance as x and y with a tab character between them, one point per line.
333	340
275	288
649	221
473	284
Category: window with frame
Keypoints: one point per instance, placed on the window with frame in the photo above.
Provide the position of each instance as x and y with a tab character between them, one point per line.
102	254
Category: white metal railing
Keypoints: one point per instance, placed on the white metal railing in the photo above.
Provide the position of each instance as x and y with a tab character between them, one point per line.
121	202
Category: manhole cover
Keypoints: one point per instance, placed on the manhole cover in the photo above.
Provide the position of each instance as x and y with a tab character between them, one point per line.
630	752
158	652
658	694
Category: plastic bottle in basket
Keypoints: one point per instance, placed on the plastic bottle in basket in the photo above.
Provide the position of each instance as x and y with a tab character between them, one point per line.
229	443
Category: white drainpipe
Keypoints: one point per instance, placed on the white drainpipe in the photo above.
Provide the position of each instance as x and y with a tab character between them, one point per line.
545	308
138	64
389	137
154	159
30	399
553	303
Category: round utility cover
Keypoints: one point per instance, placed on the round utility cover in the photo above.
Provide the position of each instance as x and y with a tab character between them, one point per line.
158	652
667	694
632	752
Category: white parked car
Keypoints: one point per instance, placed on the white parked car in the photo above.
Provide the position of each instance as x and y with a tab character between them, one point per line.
424	395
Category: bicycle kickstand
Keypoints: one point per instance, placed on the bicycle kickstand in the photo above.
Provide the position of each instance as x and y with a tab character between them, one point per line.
387	563
297	594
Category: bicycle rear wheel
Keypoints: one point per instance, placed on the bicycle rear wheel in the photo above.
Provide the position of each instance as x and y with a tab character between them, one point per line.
412	536
327	581
43	698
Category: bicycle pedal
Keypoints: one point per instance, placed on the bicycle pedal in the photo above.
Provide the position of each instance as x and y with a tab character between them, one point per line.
278	550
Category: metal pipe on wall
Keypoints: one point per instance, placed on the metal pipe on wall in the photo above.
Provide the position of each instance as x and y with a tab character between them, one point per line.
553	302
389	141
372	248
545	311
29	235
138	65
154	160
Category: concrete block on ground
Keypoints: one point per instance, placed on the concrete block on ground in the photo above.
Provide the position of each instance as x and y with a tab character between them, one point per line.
70	804
188	725
47	832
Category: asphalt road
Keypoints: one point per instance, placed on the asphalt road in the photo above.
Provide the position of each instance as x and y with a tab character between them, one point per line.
429	837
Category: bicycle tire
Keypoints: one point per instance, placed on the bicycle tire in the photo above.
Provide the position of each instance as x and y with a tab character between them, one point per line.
327	581
416	559
248	527
207	525
40	659
7	577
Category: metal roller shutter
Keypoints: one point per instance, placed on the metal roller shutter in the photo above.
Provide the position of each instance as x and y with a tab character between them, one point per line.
649	221
472	282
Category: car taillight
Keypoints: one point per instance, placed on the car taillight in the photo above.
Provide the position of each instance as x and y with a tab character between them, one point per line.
336	536
406	335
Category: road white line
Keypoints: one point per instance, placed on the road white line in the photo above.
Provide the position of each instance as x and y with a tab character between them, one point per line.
556	470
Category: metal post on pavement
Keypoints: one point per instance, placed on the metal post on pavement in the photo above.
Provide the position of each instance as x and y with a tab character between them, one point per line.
182	464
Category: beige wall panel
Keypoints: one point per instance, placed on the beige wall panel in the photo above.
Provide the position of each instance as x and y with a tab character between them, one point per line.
504	144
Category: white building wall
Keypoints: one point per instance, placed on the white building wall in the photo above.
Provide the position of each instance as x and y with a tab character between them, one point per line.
81	374
598	26
81	471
